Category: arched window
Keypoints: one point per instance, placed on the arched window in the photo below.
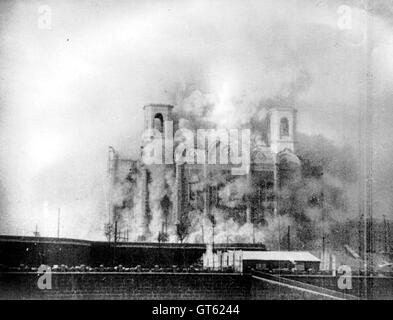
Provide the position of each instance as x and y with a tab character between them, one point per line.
158	122
284	127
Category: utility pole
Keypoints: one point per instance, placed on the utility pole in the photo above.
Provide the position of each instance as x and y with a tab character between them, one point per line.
275	190
388	236
206	196
36	233
115	242
213	225
385	235
58	223
226	233
253	230
323	227
289	239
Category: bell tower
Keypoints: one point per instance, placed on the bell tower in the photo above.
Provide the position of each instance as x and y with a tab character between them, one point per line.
282	129
156	115
158	125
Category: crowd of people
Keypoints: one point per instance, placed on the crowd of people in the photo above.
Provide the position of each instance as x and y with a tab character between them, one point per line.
194	268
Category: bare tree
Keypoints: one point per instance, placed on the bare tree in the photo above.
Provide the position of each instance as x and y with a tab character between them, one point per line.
108	231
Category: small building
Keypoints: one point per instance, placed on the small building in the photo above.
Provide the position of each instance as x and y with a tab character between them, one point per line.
270	260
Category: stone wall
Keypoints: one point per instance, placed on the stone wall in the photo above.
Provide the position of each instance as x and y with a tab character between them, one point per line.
122	285
378	287
127	286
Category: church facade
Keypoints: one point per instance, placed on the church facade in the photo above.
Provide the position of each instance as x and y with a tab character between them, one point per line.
206	179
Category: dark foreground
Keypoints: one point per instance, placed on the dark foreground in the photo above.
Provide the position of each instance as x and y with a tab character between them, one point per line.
211	286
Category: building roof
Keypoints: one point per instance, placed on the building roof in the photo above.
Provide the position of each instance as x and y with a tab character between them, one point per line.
282	108
158	105
302	256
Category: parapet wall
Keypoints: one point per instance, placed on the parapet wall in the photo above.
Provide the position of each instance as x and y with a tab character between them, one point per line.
112	285
127	286
34	251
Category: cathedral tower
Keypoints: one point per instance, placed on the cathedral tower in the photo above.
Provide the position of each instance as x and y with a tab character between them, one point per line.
282	129
156	115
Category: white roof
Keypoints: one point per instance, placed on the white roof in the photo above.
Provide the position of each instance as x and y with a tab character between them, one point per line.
280	256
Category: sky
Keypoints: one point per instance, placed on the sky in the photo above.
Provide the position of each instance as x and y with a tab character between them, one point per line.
75	84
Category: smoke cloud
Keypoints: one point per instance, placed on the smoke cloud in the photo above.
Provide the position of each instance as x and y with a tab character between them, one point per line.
69	92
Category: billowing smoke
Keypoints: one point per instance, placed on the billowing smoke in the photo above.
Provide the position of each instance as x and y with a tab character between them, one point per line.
313	197
161	198
323	196
132	222
234	192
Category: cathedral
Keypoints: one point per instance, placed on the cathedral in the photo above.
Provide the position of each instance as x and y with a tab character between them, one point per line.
205	180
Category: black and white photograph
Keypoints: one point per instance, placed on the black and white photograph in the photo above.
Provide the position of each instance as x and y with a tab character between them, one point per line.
196	150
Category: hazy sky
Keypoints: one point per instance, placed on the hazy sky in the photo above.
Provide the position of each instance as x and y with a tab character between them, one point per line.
70	91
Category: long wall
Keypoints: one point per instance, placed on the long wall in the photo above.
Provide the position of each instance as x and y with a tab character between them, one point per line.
34	251
202	286
127	286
